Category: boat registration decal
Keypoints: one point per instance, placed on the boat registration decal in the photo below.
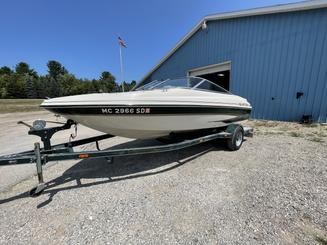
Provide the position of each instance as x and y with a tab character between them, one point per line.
126	110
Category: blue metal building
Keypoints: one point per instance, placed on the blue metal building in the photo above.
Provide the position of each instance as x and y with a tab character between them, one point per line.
276	57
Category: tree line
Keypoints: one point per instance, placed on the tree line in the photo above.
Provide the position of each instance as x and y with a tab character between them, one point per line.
24	82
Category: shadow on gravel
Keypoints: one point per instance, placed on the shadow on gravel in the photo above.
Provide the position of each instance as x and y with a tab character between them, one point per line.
122	168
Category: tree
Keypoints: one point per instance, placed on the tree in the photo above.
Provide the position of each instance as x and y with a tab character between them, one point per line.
3	85
24	82
22	68
16	86
25	78
55	69
39	87
107	82
128	86
131	85
68	84
5	70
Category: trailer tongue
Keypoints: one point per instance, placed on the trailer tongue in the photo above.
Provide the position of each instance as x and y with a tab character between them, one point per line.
234	134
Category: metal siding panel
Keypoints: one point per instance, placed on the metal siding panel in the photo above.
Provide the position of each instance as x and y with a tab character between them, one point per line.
263	74
238	64
271	75
289	66
275	81
323	103
319	96
237	78
309	62
319	54
323	83
272	56
246	60
235	66
306	33
282	111
279	80
257	65
298	61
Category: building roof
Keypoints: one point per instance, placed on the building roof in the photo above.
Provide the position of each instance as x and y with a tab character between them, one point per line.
305	5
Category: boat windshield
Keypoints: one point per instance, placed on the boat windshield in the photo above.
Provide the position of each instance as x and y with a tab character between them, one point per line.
150	85
186	82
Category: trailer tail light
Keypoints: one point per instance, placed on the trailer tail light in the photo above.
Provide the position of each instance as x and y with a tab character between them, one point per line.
83	155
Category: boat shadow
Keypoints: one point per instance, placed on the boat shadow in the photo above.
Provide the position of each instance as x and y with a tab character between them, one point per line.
99	171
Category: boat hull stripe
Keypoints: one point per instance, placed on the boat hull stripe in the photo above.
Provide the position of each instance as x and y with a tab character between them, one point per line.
145	110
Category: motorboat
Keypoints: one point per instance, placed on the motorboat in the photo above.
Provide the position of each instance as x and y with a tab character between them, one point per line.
156	109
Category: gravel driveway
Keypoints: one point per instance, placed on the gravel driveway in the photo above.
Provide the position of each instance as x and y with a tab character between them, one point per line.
14	138
272	191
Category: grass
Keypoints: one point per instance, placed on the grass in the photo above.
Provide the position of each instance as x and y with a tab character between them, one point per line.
19	105
295	134
316	139
321	133
311	125
314	132
321	240
263	123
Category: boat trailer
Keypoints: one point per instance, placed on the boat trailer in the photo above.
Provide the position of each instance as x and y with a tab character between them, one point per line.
233	133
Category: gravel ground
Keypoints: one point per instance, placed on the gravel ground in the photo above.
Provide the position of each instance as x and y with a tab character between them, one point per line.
14	138
272	191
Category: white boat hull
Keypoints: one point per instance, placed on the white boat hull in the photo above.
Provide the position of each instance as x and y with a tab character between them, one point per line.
154	126
151	114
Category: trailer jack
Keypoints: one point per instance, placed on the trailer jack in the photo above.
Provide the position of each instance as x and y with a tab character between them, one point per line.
41	186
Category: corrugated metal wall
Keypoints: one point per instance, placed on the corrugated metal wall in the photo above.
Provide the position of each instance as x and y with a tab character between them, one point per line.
273	57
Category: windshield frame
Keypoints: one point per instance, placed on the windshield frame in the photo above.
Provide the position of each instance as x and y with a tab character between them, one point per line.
206	80
195	87
154	83
176	79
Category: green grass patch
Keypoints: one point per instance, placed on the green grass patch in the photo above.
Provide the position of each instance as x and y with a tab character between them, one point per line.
310	125
321	133
295	134
20	105
263	123
321	240
316	139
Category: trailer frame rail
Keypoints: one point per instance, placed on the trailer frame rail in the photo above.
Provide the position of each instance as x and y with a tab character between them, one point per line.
60	152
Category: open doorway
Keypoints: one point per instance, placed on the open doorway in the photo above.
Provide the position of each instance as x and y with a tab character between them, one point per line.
217	73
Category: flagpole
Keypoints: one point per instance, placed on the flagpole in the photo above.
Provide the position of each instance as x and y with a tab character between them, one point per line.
121	67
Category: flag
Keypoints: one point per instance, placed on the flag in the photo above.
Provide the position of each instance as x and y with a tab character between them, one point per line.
121	42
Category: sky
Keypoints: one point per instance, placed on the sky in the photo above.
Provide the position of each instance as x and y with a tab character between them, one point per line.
82	35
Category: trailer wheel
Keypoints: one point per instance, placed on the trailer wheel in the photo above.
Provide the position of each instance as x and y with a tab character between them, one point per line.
235	142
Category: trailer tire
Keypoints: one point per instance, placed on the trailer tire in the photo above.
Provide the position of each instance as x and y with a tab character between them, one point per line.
235	142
